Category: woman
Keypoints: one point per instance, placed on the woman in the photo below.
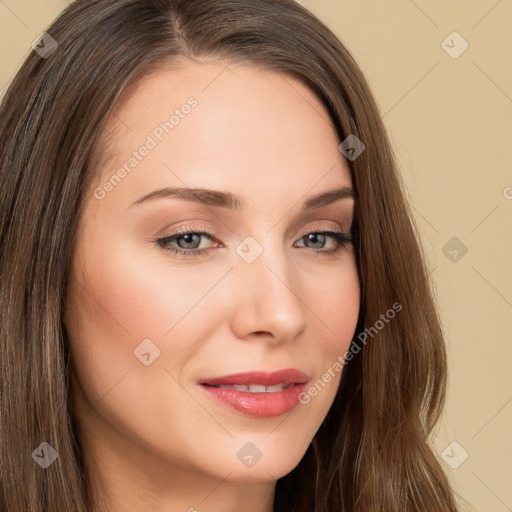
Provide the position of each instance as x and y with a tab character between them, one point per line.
198	194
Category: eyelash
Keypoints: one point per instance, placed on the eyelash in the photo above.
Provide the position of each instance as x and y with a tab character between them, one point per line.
342	239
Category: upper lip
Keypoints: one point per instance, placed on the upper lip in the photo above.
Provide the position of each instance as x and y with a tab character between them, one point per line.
287	376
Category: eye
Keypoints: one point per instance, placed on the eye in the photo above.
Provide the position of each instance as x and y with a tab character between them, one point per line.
185	241
319	240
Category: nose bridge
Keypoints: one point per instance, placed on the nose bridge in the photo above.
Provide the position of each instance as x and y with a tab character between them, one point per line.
267	298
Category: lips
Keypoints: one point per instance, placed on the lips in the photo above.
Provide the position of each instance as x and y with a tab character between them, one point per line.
258	393
286	377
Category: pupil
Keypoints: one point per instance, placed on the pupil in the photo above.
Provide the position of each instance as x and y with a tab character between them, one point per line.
314	236
188	238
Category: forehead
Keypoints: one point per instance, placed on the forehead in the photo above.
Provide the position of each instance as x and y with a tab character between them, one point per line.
220	121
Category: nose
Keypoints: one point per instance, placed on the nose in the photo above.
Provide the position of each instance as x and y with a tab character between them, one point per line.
267	299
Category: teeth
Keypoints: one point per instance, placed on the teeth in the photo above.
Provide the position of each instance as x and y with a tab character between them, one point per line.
254	388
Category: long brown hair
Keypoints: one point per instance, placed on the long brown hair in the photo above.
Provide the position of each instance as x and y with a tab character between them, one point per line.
372	451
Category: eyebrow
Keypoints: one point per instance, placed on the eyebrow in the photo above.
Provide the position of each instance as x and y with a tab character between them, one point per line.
219	199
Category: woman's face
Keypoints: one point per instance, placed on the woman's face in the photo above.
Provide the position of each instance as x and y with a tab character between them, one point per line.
146	325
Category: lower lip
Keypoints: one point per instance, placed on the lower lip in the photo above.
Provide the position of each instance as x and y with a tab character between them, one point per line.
263	405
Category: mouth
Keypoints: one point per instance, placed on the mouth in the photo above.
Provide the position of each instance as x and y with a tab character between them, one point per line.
258	394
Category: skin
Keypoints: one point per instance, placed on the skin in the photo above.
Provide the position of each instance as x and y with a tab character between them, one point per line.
152	438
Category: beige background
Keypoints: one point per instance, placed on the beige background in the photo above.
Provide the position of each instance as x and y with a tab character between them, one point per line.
451	123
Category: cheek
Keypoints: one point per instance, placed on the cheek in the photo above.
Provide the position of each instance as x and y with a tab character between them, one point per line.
114	304
130	294
334	300
335	312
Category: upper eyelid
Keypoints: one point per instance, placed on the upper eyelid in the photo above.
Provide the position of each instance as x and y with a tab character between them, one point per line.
203	230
